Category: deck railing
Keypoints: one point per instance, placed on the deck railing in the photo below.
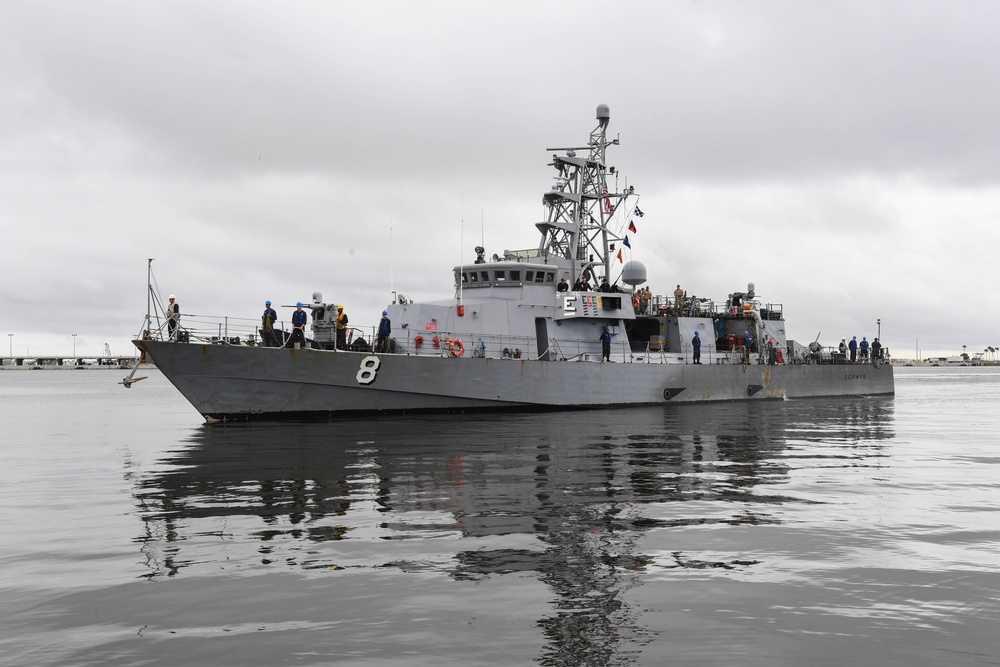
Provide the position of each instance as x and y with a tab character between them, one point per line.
194	328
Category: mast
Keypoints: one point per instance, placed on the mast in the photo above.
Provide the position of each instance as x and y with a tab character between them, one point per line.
580	206
149	288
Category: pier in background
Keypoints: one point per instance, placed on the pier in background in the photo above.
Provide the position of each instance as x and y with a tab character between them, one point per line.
61	362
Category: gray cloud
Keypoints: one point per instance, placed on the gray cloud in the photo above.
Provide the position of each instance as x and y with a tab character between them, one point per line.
841	156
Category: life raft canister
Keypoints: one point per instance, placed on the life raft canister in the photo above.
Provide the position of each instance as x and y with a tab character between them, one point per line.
436	341
457	348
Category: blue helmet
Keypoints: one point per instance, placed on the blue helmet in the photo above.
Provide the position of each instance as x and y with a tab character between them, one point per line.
298	304
267	303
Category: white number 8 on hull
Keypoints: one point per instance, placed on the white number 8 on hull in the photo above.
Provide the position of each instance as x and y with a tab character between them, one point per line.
369	367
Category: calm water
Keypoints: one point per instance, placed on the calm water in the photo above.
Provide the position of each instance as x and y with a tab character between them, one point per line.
851	532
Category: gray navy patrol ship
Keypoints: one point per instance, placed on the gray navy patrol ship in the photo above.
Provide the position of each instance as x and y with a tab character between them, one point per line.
515	336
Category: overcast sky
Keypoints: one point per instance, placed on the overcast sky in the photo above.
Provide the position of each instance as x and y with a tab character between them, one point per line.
844	156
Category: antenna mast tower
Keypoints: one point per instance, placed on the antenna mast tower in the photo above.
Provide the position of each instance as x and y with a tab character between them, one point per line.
579	205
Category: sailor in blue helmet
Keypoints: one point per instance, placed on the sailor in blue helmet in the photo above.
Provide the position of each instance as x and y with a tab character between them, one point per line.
746	347
298	327
853	347
606	344
384	331
267	321
696	348
863	347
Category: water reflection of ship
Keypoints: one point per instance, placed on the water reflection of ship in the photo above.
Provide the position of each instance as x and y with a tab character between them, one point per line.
578	489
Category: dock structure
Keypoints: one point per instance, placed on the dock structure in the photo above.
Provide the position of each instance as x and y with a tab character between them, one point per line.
62	362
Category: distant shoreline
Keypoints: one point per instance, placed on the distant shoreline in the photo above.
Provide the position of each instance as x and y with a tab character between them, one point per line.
69	367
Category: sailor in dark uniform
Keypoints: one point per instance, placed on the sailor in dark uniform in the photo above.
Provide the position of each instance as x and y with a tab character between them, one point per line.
384	331
298	327
267	321
606	344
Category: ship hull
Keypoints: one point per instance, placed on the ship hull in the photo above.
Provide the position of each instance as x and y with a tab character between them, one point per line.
227	382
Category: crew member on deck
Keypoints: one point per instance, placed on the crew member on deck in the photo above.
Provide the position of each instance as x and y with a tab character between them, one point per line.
563	286
746	347
341	328
267	321
678	296
853	347
606	344
644	296
298	327
173	317
696	348
384	331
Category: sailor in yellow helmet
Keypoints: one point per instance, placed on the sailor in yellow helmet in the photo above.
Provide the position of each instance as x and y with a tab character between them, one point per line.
341	327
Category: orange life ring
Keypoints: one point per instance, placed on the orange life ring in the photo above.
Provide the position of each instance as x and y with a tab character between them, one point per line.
457	349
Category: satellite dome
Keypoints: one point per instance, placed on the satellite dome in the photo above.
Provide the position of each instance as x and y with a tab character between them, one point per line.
634	273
